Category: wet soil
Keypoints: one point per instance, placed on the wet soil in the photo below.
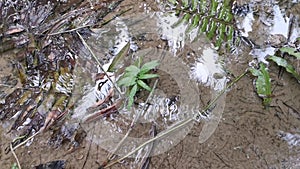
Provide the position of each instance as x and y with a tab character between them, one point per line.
248	135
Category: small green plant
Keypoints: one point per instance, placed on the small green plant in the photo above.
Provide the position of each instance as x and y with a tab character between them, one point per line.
14	166
135	76
210	17
263	81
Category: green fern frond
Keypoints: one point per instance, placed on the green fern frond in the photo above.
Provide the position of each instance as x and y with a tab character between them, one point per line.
212	17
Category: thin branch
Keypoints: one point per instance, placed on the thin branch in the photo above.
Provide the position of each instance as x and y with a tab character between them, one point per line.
25	141
89	149
5	85
91	25
114	17
13	152
133	123
160	135
70	30
98	62
222	92
145	162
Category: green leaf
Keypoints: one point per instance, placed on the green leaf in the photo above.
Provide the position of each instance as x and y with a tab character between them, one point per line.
214	6
143	85
14	166
148	66
185	3
119	57
203	5
255	72
204	25
265	81
196	20
212	31
212	18
288	67
291	51
184	20
194	5
221	37
132	68
263	84
230	32
138	62
195	23
130	74
131	95
127	81
222	13
147	76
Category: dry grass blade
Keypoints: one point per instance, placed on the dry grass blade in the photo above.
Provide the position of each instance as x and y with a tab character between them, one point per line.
91	25
13	152
25	141
98	62
133	123
146	159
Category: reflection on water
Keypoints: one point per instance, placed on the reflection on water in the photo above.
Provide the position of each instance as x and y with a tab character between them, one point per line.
174	36
208	70
247	24
164	110
260	54
280	22
291	139
277	28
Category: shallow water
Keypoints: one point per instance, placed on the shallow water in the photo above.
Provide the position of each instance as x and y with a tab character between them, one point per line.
239	131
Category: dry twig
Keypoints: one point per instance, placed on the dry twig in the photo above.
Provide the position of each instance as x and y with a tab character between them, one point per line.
13	152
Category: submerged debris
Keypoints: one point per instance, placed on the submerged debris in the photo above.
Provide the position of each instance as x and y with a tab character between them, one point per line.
61	164
47	57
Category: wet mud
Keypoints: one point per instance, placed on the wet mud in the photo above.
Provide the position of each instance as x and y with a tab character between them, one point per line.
249	135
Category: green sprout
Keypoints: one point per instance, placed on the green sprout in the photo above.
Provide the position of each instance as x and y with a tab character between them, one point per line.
135	76
14	166
263	81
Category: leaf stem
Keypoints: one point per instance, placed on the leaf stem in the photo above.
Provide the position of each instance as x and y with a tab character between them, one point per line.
224	90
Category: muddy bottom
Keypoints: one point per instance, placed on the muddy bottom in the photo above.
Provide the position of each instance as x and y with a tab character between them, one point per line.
248	135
